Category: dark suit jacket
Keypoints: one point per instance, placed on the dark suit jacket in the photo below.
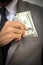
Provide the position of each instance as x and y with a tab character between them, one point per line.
27	51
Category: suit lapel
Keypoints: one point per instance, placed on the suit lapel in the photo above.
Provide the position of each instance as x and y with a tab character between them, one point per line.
12	50
20	8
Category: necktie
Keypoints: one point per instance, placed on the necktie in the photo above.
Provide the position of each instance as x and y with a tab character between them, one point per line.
3	20
3	17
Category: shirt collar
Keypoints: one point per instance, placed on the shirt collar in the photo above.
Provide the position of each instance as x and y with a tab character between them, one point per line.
11	7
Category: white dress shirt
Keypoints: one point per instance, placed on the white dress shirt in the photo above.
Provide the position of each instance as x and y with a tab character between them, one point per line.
11	10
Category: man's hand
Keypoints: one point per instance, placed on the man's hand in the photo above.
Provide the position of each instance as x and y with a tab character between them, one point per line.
11	30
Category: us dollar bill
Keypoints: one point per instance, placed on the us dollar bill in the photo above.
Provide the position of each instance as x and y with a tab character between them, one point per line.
26	19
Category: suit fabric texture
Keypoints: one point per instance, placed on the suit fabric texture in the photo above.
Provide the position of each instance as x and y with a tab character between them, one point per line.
28	50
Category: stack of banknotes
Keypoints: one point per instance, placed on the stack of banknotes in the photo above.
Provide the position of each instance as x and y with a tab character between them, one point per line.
26	19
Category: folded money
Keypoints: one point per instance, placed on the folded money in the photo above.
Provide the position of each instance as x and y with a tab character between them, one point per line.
26	19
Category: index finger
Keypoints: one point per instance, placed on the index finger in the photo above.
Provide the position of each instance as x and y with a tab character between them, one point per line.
17	24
